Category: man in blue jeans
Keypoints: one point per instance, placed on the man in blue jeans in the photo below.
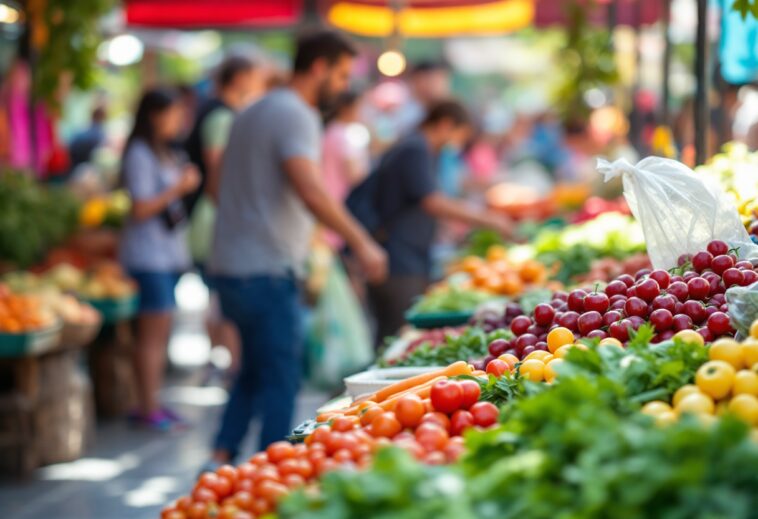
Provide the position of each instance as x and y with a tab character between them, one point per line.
271	192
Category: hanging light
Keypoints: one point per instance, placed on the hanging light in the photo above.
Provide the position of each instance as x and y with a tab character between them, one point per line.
122	50
391	63
9	13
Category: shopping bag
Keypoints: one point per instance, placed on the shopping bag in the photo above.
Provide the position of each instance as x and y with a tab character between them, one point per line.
679	211
743	307
339	339
200	234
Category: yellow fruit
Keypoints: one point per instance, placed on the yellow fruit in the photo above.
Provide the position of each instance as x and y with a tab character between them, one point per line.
746	407
727	350
683	392
656	407
715	378
510	359
665	418
745	382
750	351
562	351
696	403
496	253
690	336
754	329
550	369
611	341
539	355
533	369
559	337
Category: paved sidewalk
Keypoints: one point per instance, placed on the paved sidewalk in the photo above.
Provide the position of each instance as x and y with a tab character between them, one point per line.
129	474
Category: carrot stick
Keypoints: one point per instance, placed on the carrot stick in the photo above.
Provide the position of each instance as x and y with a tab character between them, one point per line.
454	369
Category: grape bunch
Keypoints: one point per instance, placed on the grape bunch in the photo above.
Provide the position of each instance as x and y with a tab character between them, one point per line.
689	297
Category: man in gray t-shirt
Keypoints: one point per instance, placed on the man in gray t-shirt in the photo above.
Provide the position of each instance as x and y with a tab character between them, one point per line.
271	191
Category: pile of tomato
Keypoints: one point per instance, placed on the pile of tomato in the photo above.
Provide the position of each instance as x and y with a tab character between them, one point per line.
429	428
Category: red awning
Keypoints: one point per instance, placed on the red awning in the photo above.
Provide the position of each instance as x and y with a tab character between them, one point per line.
193	14
630	12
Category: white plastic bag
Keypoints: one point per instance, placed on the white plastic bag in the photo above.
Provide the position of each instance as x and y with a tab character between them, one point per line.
679	211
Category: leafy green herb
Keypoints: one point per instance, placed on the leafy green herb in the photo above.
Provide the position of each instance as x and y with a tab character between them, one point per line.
471	345
452	300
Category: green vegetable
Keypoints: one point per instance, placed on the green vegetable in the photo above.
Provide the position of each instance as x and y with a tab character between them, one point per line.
454	299
472	344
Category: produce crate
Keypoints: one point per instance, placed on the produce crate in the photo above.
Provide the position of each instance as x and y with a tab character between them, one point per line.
30	343
430	320
115	310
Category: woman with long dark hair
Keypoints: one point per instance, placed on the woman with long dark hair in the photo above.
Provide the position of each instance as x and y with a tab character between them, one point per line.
153	246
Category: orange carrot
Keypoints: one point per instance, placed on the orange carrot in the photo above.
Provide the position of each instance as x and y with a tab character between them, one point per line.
454	369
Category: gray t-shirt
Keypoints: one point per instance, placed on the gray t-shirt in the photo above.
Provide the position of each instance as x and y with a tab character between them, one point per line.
149	245
262	226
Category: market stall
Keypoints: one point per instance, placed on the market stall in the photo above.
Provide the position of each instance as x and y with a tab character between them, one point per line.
536	369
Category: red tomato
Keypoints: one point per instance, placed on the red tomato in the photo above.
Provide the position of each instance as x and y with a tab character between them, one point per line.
485	414
244	485
267	472
435	458
222	488
244	500
497	367
259	459
301	450
325	465
321	434
196	511
289	466
344	423
471	392
207	479
228	472
409	410
440	419
279	451
261	507
431	437
204	495
343	456
386	425
447	396
271	491
453	450
294	481
412	446
460	421
183	503
246	471
369	414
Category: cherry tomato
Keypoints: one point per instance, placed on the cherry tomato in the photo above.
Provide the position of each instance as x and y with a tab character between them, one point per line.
435	458
243	500
321	434
447	396
294	481
267	472
454	449
343	456
369	414
386	425
196	510
279	451
245	471
460	421
497	367
244	485
412	446
409	410
259	459
271	491
344	423
431	436
325	465
204	495
223	487
485	414
440	419
471	392
260	507
183	503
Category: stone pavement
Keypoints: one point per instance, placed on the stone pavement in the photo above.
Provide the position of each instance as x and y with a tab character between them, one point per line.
129	473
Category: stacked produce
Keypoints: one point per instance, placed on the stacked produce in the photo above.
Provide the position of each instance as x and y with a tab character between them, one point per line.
693	299
500	274
105	280
21	313
470	345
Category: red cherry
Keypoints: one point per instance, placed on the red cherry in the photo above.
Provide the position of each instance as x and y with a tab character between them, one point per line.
698	288
620	330
611	317
733	276
648	289
689	275
683	259
636	306
679	290
569	320
597	334
661	277
750	277
682	322
718	247
498	347
718	324
744	265
596	301
520	324
706	334
626	279
696	311
589	321
721	263
701	261
665	301
525	340
576	300
641	274
662	319
615	288
544	314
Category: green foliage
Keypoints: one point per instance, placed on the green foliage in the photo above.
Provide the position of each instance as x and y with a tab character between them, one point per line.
73	36
454	299
34	218
746	7
472	344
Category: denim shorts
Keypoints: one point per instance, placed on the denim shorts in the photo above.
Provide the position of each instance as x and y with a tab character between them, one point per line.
156	290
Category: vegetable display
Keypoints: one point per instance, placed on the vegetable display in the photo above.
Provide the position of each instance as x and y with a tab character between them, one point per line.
471	345
451	299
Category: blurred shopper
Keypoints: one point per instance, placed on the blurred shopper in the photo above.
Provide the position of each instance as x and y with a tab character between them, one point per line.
408	202
84	144
345	153
429	82
271	190
153	247
238	83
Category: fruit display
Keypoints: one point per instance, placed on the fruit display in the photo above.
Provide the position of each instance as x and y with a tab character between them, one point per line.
734	169
105	280
450	299
471	345
594	206
691	299
21	313
109	210
500	274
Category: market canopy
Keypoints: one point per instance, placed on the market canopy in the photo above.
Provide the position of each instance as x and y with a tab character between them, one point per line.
182	14
628	12
428	18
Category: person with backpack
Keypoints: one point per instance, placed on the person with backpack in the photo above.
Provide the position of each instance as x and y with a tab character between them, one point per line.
401	203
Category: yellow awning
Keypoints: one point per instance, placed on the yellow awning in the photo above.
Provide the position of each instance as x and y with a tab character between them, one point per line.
489	18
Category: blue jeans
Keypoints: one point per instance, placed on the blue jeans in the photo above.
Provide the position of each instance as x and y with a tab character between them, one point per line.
267	313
